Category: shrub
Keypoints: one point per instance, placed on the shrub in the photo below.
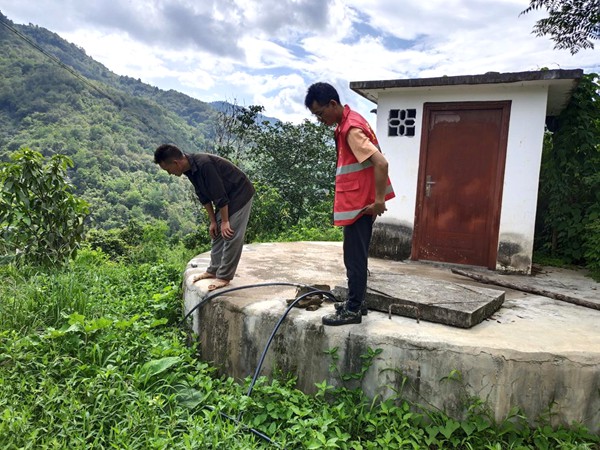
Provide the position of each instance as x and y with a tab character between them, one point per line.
569	197
592	247
41	220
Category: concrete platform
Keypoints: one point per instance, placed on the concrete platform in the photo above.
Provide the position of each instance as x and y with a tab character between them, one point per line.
534	352
424	298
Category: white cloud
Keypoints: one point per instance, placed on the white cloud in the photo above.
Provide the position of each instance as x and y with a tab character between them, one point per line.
263	54
268	51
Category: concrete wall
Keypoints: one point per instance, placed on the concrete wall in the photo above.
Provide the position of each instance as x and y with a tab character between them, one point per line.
393	233
532	353
425	370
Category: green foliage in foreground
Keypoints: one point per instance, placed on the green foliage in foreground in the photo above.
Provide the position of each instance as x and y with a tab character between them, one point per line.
91	356
41	220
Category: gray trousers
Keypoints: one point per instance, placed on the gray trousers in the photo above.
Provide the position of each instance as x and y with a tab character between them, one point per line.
225	254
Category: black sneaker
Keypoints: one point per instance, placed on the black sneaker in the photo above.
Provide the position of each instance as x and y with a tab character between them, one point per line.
342	317
339	305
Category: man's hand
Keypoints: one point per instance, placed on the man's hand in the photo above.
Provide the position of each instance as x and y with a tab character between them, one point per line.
375	209
213	230
226	230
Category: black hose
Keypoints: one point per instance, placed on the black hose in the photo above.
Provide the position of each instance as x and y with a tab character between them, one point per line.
269	341
246	427
283	316
247	286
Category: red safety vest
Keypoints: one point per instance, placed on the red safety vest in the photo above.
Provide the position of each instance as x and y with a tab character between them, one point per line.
354	181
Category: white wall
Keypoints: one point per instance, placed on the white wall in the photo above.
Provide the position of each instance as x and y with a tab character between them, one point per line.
524	149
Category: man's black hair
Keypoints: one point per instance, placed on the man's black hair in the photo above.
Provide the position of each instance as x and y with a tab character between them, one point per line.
322	93
167	153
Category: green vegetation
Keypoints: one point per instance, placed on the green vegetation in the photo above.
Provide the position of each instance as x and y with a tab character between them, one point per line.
106	124
40	218
91	356
568	222
571	24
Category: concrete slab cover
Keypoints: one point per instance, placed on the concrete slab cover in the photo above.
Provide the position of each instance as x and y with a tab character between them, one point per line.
423	298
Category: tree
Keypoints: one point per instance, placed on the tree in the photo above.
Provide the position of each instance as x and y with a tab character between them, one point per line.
299	162
41	221
572	24
232	130
569	197
292	166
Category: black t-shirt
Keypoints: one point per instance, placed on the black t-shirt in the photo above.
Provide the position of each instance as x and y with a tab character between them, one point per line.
218	181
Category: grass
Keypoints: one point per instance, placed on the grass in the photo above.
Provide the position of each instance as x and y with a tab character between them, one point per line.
91	357
543	259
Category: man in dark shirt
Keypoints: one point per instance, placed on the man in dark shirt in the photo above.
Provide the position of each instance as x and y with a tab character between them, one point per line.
226	194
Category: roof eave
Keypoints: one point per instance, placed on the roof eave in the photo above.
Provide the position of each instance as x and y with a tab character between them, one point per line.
561	81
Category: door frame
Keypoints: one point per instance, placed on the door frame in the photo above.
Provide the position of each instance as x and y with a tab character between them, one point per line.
494	225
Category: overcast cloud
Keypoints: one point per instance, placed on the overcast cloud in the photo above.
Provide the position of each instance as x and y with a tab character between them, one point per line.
267	52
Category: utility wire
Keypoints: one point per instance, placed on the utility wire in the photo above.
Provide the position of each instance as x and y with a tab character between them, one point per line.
73	72
57	61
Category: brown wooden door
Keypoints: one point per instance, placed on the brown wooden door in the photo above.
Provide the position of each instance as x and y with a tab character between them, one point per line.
461	170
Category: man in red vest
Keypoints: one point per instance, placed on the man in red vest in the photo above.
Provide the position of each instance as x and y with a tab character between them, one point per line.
362	187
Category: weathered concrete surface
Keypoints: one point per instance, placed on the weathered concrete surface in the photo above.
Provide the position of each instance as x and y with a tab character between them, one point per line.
533	352
428	299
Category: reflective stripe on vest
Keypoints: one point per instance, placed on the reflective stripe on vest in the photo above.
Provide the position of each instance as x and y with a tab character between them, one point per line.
349	215
351	168
354	182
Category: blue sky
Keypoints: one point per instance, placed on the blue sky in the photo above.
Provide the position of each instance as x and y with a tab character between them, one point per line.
268	52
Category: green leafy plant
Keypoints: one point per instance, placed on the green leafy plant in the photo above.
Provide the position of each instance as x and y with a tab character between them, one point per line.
569	197
366	362
41	219
93	359
591	247
571	24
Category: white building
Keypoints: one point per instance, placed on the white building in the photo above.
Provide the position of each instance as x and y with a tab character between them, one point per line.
464	155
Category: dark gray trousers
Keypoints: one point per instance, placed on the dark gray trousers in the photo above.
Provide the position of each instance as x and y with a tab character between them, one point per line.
225	254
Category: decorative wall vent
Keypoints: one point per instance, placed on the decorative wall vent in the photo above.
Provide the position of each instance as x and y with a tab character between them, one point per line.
401	122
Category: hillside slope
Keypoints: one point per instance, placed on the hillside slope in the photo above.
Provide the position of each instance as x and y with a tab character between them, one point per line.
108	124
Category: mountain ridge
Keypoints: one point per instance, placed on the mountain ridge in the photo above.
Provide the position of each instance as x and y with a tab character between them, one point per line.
54	98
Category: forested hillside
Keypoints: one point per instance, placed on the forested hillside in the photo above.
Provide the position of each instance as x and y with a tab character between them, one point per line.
107	124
